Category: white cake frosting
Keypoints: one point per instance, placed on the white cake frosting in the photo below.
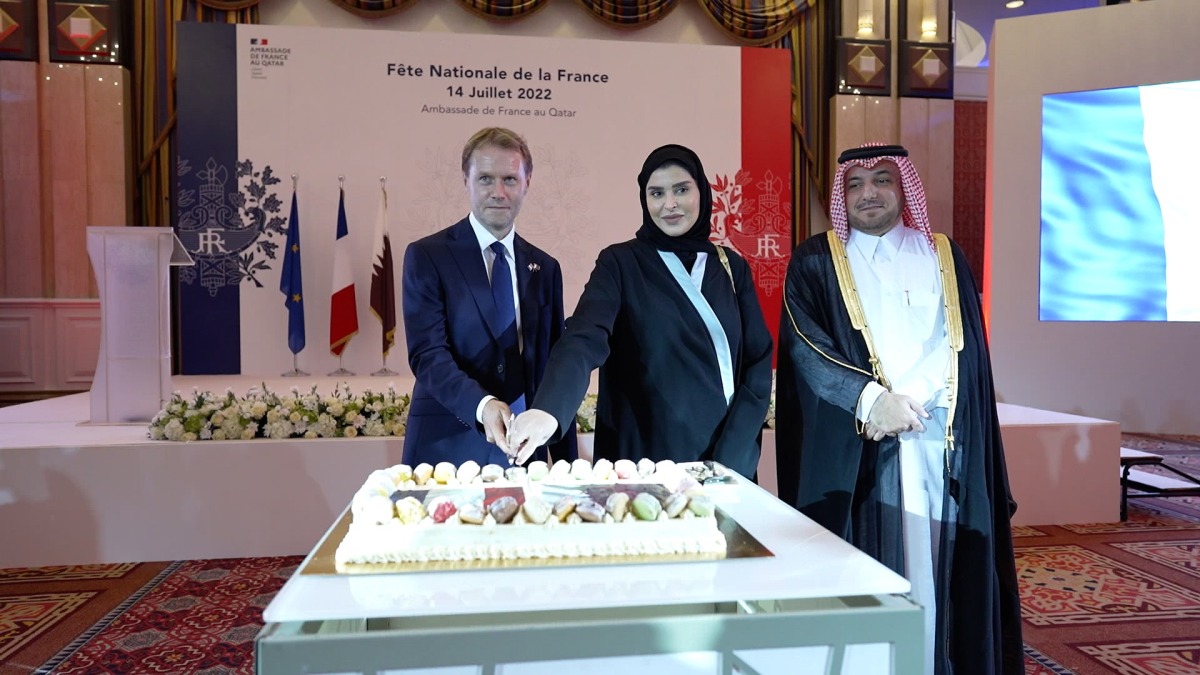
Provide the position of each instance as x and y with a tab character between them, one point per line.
377	535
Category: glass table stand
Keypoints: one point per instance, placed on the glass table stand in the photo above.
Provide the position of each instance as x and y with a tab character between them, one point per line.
806	602
752	638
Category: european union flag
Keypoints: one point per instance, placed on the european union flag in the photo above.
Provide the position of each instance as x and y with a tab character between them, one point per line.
290	283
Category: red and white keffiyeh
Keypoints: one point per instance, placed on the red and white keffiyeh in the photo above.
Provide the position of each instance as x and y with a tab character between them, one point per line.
915	213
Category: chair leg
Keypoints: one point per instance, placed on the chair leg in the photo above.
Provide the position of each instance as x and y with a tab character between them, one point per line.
1124	493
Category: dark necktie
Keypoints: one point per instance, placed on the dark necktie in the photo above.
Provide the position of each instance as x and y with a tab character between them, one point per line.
512	368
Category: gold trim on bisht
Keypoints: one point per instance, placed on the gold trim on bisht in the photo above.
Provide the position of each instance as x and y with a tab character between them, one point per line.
954	330
953	316
815	348
858	318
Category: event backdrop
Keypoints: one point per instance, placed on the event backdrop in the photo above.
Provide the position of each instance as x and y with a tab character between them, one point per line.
258	105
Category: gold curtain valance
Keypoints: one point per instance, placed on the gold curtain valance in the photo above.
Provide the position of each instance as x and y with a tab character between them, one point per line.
750	22
617	13
504	10
627	13
228	5
373	9
755	22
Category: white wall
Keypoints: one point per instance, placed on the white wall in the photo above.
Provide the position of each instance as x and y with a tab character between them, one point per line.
1142	375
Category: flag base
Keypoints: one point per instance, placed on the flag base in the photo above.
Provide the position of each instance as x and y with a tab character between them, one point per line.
341	372
295	372
384	372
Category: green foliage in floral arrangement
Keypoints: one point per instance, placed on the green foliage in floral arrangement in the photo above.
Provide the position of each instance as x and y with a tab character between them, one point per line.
585	417
263	413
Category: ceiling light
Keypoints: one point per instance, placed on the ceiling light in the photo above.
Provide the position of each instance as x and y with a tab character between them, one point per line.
1013	4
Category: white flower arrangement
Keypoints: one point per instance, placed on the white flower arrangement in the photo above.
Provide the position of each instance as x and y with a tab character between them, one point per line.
263	413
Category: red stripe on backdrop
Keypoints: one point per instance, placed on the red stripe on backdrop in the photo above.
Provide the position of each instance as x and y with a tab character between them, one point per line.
752	211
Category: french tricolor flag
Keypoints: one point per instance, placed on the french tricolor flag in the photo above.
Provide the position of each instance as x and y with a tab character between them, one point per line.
343	310
1118	231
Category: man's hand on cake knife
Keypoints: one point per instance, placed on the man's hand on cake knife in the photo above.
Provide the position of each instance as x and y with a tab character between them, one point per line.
496	415
529	432
511	452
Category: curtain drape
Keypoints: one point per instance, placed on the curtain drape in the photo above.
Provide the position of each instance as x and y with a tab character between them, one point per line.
228	5
503	10
756	22
812	88
373	8
753	22
626	14
154	93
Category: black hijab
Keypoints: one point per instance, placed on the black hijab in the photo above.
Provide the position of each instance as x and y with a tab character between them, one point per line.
694	240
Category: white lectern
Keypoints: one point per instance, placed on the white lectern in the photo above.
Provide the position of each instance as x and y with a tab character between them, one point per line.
133	372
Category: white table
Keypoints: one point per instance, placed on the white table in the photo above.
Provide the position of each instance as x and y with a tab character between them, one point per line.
813	598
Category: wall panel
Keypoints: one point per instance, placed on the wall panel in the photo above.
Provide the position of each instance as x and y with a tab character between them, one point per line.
76	344
20	177
64	115
55	344
108	171
20	362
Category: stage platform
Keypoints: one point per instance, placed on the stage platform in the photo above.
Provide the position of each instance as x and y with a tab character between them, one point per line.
75	493
1062	468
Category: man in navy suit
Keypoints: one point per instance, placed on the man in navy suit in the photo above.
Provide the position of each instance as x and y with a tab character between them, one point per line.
482	307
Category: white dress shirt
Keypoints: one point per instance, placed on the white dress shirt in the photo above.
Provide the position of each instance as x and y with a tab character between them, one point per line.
900	287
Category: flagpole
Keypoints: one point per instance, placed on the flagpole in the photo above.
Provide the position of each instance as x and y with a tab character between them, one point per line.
295	371
341	369
384	371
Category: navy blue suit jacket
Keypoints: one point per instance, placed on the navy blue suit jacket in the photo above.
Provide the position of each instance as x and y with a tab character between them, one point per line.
453	349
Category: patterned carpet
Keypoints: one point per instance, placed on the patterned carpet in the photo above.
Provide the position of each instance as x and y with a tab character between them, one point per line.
197	616
1098	599
1117	597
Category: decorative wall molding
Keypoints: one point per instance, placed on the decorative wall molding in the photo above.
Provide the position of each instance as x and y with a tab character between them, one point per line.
970	83
77	344
864	67
18	363
926	69
18	30
55	344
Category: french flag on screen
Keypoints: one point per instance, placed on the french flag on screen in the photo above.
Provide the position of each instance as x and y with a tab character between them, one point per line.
1119	234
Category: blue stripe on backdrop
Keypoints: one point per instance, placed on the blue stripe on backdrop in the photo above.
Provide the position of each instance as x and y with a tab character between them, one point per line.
1102	246
209	219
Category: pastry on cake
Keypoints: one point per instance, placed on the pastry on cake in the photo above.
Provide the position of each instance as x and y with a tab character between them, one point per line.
569	510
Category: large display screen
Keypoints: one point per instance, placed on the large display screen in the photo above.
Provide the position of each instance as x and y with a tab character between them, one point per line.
1120	230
